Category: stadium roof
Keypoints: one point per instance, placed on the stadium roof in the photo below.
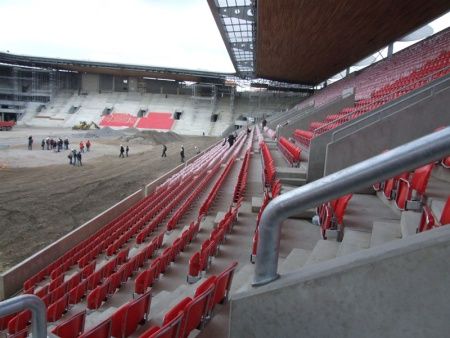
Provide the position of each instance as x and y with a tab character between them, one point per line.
115	68
307	42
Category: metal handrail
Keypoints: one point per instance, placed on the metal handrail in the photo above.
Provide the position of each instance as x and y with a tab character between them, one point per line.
38	312
379	168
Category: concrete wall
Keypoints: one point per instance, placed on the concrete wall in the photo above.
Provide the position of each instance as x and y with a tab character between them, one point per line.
90	82
12	280
420	106
395	290
318	114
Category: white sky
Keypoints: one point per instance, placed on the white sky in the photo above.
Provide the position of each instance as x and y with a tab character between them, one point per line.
168	33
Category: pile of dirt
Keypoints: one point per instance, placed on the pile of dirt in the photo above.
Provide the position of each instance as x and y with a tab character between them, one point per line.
104	132
150	137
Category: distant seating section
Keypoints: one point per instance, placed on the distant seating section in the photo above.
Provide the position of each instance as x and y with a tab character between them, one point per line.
303	137
161	121
380	91
7	125
383	72
290	151
118	120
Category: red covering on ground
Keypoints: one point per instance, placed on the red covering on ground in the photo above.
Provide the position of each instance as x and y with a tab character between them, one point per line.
162	121
118	120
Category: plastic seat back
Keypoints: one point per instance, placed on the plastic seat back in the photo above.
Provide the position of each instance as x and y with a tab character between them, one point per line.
427	220
420	178
72	327
445	216
223	284
102	330
137	313
169	330
118	321
19	322
341	206
197	310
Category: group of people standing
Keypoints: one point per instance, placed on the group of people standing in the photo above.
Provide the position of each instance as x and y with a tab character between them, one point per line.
56	144
124	150
86	145
75	157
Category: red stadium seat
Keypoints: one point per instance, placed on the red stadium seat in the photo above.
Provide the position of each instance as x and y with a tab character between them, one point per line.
144	280
78	292
127	318
223	284
445	216
170	329
196	311
72	327
57	309
19	322
102	330
97	296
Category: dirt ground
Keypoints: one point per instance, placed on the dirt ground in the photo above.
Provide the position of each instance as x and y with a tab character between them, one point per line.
42	197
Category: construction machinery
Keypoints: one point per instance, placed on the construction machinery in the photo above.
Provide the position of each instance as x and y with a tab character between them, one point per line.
83	125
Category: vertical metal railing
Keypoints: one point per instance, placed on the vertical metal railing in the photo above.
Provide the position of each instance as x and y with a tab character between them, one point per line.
32	303
379	168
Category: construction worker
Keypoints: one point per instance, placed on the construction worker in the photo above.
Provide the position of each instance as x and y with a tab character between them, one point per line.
182	154
74	156
30	143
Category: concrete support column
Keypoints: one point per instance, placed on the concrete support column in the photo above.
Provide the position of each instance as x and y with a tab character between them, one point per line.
390	49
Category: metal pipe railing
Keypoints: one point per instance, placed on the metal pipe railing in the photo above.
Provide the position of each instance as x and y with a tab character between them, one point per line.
38	312
379	168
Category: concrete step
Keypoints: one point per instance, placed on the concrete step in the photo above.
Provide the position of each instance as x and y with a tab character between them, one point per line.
306	214
353	241
165	300
286	172
323	251
441	173
294	261
409	222
437	205
242	278
383	232
297	182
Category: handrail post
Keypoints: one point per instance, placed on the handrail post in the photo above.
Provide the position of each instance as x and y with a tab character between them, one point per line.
38	312
379	168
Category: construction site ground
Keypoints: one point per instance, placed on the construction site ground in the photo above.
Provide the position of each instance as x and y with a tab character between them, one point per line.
42	197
